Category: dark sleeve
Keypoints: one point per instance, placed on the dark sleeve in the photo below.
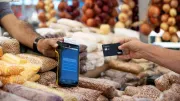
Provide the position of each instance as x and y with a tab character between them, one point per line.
5	9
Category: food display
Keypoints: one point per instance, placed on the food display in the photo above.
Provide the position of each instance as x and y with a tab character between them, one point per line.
46	13
30	76
69	11
129	15
97	12
163	15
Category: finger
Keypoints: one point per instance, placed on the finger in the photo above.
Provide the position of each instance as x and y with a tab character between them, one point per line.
126	52
125	57
50	54
60	39
124	46
53	42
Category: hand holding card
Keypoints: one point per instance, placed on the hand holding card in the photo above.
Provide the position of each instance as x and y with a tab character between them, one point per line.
111	49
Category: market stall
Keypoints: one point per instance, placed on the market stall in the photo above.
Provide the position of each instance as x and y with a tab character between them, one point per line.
29	76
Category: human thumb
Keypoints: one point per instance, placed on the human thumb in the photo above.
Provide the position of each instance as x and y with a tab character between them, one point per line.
123	46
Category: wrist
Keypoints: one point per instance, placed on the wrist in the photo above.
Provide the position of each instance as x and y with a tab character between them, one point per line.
36	44
146	51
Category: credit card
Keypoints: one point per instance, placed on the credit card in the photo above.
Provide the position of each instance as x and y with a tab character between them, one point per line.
111	49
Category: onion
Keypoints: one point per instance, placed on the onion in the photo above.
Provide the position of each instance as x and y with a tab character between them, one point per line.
166	8
172	30
105	8
51	5
178	9
145	29
166	36
48	16
91	22
156	1
98	20
128	23
114	13
166	1
164	26
62	14
84	18
125	8
155	21
111	22
89	13
171	21
164	17
153	11
68	16
131	4
53	13
42	25
123	17
173	12
42	17
88	3
40	5
178	18
47	8
119	25
174	38
130	13
62	6
97	9
126	1
84	8
174	3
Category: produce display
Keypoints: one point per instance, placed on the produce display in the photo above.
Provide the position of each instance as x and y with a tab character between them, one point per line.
97	12
163	14
34	74
30	77
45	63
69	11
9	45
46	13
129	16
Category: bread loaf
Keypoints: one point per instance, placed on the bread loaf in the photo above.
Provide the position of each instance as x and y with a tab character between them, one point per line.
7	69
10	46
105	86
4	96
31	94
45	62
